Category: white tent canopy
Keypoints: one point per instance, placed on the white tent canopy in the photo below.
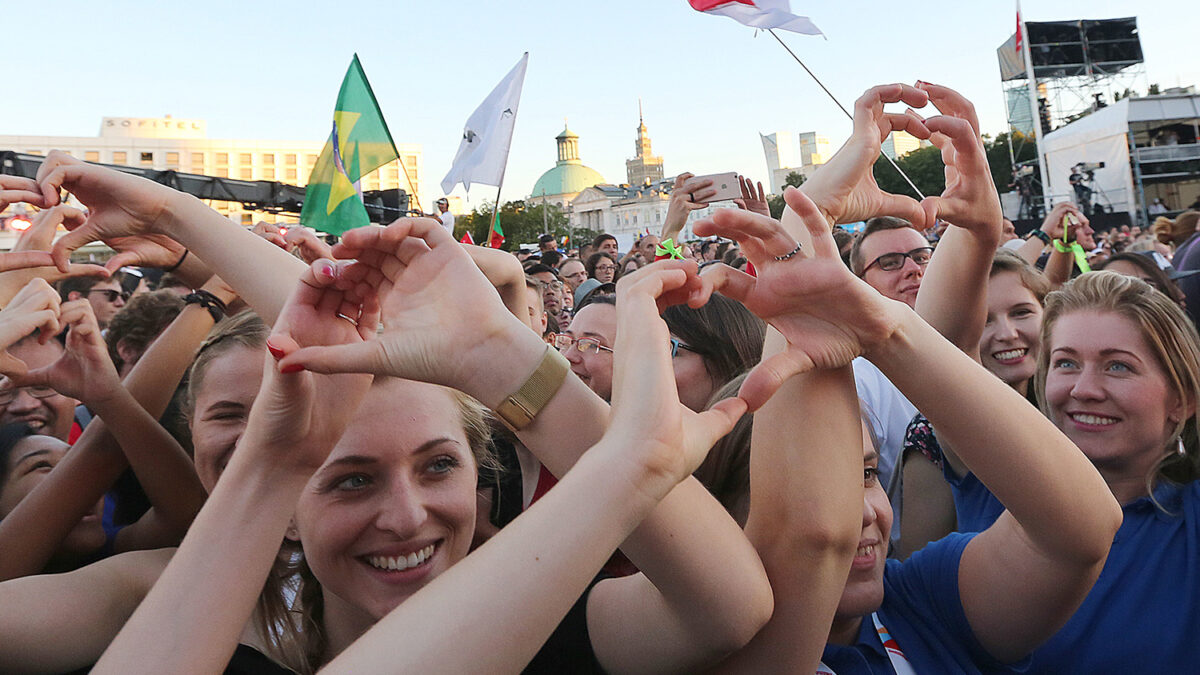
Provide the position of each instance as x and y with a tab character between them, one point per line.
1099	137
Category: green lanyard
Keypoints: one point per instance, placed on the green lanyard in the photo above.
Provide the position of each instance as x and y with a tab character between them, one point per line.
1065	246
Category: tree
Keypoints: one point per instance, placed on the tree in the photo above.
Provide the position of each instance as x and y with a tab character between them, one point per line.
522	222
775	202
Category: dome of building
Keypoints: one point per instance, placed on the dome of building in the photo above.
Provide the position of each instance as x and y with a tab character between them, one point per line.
569	176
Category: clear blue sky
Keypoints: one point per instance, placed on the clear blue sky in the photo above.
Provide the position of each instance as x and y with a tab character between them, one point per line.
707	83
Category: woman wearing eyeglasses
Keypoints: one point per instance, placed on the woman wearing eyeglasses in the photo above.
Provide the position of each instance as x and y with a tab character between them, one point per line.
602	267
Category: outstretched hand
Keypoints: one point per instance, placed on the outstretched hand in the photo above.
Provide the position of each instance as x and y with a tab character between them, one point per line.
439	310
844	189
752	200
970	199
646	411
828	315
299	415
119	204
85	371
35	307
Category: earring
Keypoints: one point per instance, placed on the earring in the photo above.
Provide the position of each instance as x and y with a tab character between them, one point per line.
1179	448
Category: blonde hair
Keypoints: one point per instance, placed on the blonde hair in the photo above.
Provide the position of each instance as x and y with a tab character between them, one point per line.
1167	330
1176	231
243	329
295	634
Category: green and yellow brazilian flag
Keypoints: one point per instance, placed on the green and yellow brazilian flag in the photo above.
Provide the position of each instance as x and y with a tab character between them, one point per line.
359	143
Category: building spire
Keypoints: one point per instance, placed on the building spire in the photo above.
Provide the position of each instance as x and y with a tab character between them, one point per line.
640	120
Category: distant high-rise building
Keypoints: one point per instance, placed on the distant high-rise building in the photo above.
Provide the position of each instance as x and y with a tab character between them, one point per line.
644	168
900	143
815	150
782	158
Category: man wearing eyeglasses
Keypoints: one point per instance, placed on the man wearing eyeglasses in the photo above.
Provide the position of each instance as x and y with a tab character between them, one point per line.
891	256
106	296
42	408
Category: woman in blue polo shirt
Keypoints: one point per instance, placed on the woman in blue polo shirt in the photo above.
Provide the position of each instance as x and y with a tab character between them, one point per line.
968	603
1119	373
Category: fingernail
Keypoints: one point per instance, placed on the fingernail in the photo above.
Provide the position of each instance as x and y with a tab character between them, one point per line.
292	368
275	351
327	270
750	269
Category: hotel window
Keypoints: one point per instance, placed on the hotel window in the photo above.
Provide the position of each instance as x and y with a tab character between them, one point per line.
172	159
268	158
118	157
311	159
91	156
410	160
245	158
245	173
290	159
222	172
197	158
147	157
222	158
268	174
33	152
291	174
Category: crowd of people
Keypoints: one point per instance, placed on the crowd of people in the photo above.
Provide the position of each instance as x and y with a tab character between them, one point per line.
928	447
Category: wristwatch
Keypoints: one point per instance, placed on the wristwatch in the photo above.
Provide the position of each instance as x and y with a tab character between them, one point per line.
519	408
1040	235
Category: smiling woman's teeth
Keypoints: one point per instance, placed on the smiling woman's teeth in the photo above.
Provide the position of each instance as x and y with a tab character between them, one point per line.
1010	354
401	562
865	550
1093	420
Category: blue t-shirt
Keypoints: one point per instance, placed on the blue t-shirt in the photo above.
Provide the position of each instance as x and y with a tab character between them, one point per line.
1142	615
923	613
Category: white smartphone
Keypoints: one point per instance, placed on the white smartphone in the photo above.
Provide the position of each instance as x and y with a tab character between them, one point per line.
726	185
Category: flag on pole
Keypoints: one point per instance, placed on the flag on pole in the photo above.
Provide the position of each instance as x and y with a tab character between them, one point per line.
496	235
761	14
467	238
483	152
359	143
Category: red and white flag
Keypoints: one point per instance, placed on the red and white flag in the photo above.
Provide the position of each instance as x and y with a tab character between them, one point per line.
762	14
467	238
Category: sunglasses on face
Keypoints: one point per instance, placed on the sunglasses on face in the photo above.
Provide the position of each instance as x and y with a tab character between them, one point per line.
563	343
110	294
890	262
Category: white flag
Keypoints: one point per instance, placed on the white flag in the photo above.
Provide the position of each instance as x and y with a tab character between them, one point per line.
762	14
483	152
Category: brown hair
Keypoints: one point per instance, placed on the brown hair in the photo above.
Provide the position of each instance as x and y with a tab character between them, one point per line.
1008	261
1176	231
876	224
243	329
725	471
140	321
1170	335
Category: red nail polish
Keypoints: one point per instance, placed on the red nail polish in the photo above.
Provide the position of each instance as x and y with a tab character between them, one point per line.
275	351
750	269
327	270
293	368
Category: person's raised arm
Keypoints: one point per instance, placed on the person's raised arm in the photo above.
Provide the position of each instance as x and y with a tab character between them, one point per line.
953	295
1061	263
122	206
685	610
191	620
535	568
806	477
30	534
688	195
86	373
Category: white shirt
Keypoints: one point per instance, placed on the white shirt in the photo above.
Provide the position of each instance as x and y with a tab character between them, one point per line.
447	219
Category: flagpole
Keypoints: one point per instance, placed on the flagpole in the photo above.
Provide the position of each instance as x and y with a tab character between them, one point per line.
495	211
839	104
